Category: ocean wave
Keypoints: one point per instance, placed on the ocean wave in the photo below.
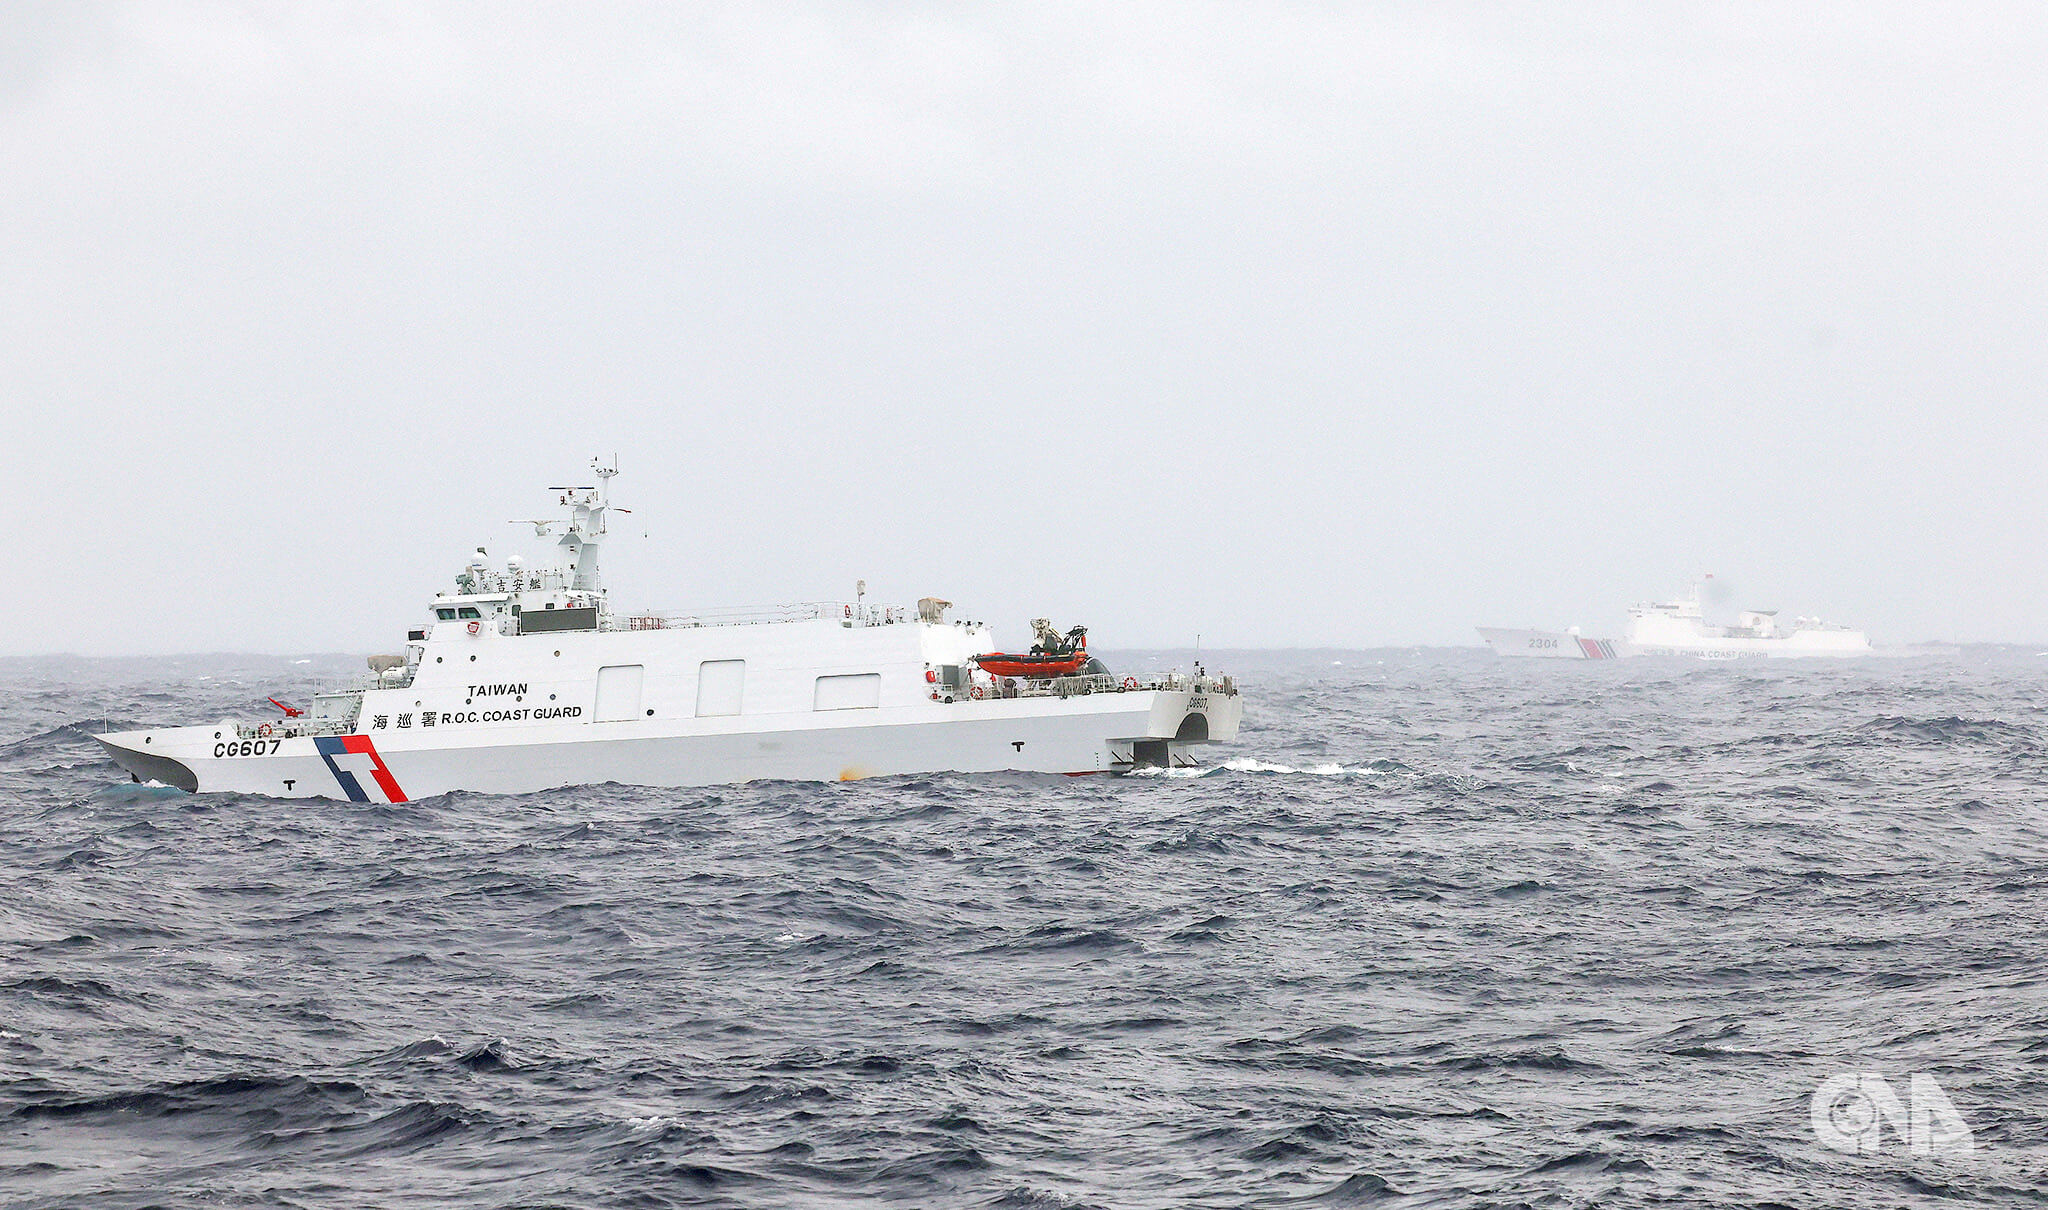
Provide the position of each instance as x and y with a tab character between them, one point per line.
1540	942
1247	764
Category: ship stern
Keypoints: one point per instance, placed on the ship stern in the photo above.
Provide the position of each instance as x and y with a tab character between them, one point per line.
1181	718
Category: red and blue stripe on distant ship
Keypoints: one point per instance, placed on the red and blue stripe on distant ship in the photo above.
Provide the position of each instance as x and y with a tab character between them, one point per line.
1597	649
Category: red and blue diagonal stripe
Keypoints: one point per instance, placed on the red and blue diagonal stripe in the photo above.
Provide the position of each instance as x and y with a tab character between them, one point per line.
331	746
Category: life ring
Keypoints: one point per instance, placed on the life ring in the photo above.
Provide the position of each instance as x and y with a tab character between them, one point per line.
474	627
264	729
977	693
1130	682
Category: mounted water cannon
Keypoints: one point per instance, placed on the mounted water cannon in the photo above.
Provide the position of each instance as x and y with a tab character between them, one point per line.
1048	637
470	579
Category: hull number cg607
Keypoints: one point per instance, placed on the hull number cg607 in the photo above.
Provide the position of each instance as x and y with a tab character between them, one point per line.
247	747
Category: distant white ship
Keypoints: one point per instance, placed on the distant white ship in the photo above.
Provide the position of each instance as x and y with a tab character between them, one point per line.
1679	628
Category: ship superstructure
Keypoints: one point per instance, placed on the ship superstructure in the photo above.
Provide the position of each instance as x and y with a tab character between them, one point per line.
524	678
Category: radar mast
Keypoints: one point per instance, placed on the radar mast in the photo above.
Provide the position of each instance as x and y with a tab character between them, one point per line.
588	506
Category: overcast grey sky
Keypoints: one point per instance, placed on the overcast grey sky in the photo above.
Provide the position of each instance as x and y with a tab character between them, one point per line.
1289	325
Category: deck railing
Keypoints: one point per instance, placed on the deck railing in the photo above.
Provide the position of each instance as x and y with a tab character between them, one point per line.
807	611
1086	683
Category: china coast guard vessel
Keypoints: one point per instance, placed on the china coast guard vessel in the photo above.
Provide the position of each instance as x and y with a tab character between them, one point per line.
524	679
1680	628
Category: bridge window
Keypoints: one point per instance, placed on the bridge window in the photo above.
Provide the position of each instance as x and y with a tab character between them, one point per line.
446	613
468	611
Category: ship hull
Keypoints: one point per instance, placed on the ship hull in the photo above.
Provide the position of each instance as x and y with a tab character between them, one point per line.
1086	733
1558	645
1549	645
1788	648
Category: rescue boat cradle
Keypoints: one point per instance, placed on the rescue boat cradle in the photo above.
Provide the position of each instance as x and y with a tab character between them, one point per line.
525	679
1030	666
1054	654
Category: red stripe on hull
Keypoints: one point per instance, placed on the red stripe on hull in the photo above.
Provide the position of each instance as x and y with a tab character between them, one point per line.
385	782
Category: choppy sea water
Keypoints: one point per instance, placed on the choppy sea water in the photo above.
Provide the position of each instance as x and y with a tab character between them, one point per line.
1439	930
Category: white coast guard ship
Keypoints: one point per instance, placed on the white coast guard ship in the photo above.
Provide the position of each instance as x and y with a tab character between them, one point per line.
1680	628
527	679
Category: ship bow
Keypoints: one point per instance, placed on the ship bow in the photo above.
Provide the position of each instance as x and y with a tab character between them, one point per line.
148	766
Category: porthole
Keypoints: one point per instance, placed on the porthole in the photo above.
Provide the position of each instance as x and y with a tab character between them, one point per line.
551	697
650	714
472	659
